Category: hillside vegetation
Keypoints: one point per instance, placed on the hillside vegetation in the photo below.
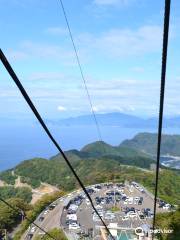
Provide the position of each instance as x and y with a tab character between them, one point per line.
23	193
56	172
35	210
97	162
56	233
170	221
147	142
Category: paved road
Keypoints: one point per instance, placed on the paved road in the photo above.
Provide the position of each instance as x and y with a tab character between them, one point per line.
52	220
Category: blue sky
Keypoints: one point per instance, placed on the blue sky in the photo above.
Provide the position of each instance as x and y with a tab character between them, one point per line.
119	44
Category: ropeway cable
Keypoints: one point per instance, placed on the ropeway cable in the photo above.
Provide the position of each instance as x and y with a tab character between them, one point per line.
39	118
81	70
162	93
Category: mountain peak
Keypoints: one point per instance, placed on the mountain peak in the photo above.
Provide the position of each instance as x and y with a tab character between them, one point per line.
96	148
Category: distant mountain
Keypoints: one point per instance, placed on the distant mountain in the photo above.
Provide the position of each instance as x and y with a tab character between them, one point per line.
147	143
117	119
112	119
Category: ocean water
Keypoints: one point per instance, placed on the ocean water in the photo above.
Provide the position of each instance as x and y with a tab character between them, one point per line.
173	162
26	139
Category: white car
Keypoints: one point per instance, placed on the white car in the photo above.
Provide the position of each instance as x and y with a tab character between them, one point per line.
46	212
33	229
73	207
132	215
123	195
74	226
130	212
103	202
87	201
166	206
72	217
99	207
130	200
109	216
137	198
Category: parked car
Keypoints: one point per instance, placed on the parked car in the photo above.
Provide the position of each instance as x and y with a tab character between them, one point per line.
46	212
52	206
33	229
74	226
29	236
167	206
141	216
41	218
125	218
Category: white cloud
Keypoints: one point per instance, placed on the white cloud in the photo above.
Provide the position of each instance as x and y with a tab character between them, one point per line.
122	42
56	31
106	2
112	84
43	51
112	43
16	55
109	107
138	69
112	2
125	42
38	76
61	108
47	52
95	108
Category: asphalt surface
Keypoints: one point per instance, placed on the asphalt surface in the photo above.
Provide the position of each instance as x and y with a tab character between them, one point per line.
57	216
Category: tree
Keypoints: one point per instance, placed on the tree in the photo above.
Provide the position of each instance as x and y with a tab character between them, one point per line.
56	233
9	217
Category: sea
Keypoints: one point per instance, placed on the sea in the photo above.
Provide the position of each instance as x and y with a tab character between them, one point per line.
22	140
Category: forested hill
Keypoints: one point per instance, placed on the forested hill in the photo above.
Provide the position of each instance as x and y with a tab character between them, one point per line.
102	151
93	161
96	162
147	143
98	155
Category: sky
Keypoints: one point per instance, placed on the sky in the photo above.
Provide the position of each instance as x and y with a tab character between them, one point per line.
119	43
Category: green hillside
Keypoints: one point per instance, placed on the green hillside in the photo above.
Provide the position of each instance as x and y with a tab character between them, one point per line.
147	142
97	162
170	221
92	171
23	193
99	149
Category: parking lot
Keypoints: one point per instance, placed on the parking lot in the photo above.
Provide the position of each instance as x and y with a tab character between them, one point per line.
129	206
126	206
